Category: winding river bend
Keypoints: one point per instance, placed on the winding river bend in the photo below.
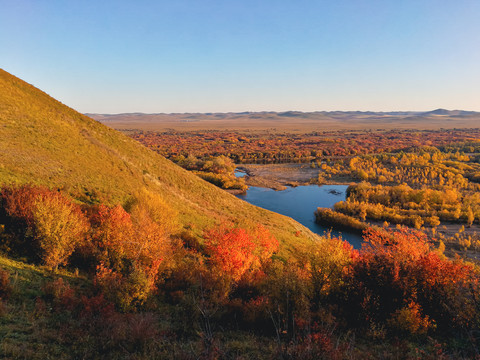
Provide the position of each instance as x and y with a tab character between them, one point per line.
300	203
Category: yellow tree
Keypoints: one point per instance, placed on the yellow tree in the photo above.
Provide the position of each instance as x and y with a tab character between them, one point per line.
59	227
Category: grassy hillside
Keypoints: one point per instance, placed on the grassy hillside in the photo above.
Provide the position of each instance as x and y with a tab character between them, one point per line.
23	335
46	142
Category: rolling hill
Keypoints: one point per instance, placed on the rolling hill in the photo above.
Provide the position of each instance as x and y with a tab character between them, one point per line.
46	142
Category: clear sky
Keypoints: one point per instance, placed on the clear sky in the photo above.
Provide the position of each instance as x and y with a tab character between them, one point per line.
246	55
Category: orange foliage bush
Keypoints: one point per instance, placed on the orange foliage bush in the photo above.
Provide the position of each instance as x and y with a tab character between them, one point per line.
234	251
133	249
410	320
231	251
46	223
18	203
126	291
399	278
402	245
150	245
111	231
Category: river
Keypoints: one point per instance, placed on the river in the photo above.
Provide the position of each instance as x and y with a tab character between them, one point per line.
300	203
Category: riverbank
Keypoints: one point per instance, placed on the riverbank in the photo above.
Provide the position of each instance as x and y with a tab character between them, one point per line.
463	241
281	176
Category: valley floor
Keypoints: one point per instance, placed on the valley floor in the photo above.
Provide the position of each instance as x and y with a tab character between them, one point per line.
278	176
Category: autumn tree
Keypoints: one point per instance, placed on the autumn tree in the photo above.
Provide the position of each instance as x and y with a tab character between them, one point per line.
235	251
288	292
327	262
111	232
45	223
59	226
17	204
134	247
400	280
470	216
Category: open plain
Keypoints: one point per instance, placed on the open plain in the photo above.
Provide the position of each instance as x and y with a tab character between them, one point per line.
292	121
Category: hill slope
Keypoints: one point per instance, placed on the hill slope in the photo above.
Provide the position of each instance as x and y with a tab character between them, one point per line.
45	142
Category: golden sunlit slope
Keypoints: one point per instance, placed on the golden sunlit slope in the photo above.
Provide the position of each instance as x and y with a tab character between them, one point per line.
45	142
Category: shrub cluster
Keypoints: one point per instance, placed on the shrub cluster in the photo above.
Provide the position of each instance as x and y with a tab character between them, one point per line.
397	285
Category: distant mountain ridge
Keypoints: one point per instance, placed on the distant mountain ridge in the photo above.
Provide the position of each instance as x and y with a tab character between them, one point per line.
450	112
295	121
299	113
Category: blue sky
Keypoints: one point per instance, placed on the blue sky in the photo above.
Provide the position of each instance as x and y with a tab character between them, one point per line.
246	55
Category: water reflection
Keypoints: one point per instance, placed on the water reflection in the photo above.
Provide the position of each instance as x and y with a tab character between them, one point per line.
240	173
